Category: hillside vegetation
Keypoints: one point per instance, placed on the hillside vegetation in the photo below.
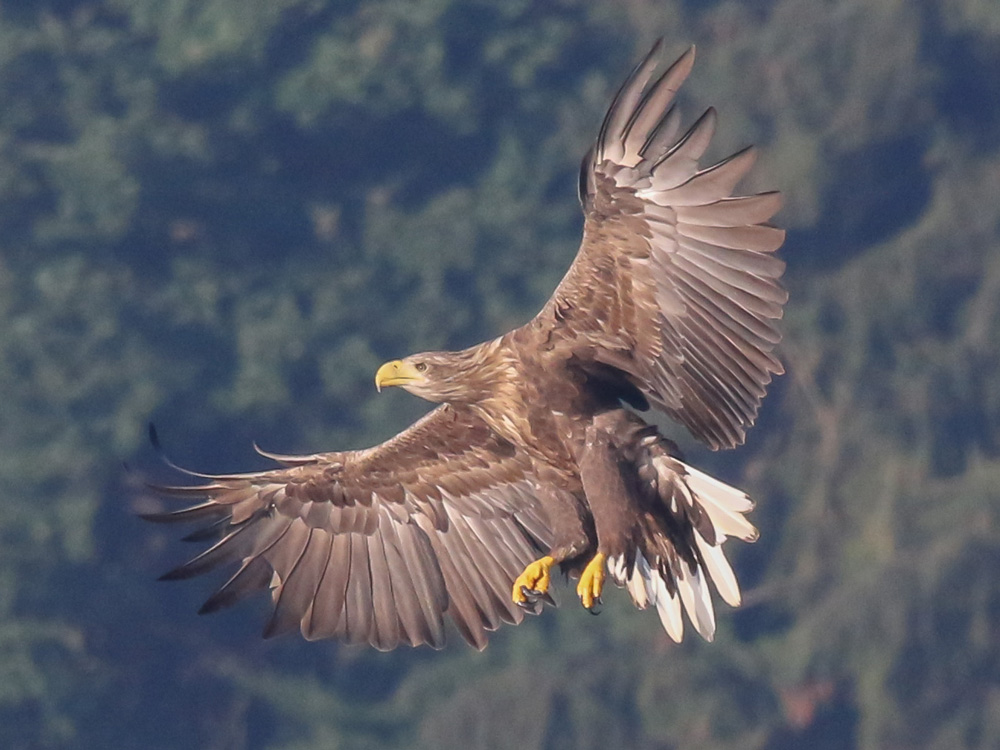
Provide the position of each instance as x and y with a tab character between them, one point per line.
221	216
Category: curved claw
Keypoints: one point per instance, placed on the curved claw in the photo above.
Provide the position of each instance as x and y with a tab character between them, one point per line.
526	602
592	583
533	584
529	603
532	597
596	607
544	597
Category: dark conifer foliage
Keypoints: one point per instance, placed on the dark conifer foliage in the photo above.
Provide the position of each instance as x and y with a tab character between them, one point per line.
221	216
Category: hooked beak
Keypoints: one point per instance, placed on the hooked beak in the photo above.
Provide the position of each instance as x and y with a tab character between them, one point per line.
396	372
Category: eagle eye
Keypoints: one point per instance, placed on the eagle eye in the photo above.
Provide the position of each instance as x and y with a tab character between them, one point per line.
420	366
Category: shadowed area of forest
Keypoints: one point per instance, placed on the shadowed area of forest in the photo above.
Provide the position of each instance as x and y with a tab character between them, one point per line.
221	217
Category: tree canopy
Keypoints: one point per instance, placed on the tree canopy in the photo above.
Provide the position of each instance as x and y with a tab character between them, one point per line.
221	216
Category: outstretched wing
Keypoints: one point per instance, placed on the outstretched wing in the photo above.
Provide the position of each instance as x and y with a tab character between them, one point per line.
675	283
377	545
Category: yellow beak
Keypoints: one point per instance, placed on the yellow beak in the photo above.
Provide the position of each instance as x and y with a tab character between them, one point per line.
396	372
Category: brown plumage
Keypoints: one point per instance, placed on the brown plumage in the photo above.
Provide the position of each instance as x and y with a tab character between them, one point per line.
671	303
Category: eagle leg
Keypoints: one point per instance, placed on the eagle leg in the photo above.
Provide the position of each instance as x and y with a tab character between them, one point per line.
592	583
533	583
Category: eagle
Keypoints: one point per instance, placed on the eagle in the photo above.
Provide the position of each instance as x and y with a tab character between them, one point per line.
536	458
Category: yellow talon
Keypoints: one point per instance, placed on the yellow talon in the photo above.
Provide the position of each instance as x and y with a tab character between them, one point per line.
534	578
591	582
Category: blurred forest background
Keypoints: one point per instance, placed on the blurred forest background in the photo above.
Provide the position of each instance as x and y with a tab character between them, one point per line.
222	215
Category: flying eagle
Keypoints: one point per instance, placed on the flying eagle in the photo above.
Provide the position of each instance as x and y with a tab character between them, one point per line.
536	456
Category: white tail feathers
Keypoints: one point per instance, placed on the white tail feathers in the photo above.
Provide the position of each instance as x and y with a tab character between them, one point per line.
725	505
673	585
720	571
668	607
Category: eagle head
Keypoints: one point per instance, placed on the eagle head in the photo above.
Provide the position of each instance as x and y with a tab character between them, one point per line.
436	376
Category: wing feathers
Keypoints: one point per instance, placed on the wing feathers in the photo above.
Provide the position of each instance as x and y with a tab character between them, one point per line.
385	619
325	614
370	546
483	573
419	592
253	576
671	262
462	605
611	143
707	186
732	212
651	125
297	589
677	166
486	616
758	239
762	309
748	328
235	545
724	276
356	624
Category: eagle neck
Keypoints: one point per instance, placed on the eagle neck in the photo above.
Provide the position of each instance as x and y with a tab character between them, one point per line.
483	371
489	377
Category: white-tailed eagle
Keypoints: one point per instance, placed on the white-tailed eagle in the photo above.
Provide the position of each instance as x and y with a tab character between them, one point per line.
536	456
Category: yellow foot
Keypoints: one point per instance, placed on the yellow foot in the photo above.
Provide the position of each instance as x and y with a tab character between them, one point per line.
535	578
591	582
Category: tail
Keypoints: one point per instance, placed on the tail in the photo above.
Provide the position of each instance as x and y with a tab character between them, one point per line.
689	515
